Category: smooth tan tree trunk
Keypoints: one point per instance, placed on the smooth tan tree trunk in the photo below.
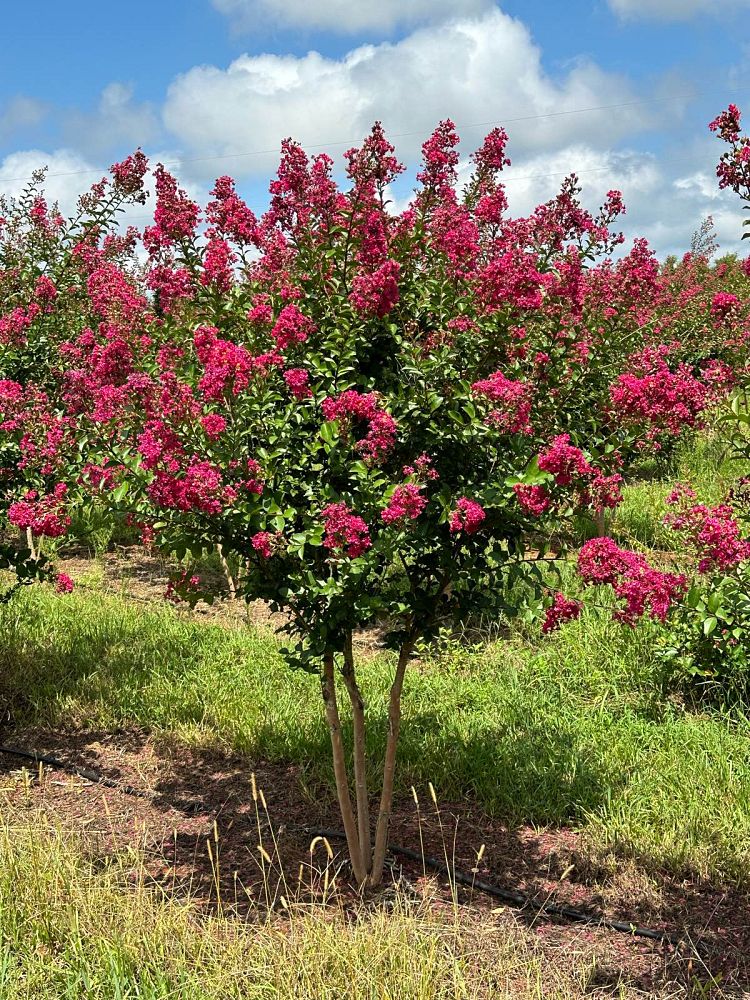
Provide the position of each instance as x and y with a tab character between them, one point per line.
389	768
602	523
359	753
231	583
360	865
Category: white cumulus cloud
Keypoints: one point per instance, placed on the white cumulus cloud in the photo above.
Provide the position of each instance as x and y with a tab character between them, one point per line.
484	70
344	16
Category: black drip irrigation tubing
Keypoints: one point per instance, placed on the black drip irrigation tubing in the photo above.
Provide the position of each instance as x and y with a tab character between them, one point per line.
512	896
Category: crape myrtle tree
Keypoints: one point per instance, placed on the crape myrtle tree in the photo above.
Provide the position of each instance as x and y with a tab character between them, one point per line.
44	294
383	418
706	608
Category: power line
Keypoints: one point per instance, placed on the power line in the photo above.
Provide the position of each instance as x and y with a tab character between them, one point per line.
395	135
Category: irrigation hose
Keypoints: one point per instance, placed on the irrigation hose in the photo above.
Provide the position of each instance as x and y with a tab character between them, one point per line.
512	896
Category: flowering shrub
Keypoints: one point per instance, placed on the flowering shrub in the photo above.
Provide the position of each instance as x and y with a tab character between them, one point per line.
377	414
706	643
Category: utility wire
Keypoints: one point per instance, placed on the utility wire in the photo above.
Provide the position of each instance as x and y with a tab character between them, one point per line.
395	135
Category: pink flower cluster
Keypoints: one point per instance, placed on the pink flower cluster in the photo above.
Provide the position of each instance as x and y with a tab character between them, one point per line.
292	327
733	168
63	583
467	516
570	467
228	367
660	398
512	415
345	531
229	215
564	461
297	380
422	470
634	581
14	325
184	587
381	427
217	265
712	532
128	176
265	543
44	515
200	488
406	503
170	284
533	499
561	610
375	294
175	216
724	304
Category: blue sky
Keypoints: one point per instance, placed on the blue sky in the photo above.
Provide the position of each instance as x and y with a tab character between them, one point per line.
620	90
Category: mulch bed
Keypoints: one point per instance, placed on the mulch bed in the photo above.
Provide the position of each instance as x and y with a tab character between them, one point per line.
202	828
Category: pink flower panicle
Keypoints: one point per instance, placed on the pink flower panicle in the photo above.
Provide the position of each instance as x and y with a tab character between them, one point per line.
512	415
63	583
185	587
217	265
128	176
564	461
292	327
176	216
200	488
297	381
641	587
467	516
713	533
561	610
263	544
214	425
43	515
345	531
229	216
406	504
381	427
422	470
376	294
532	499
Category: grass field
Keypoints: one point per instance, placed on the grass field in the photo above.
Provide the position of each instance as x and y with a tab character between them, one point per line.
570	730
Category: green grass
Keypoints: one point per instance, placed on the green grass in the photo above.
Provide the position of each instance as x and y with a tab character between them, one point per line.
569	729
73	927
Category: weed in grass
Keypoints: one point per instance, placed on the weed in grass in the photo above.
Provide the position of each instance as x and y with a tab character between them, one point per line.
71	926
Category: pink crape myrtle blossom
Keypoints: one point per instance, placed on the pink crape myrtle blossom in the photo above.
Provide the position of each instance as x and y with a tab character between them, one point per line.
345	531
352	406
713	532
513	403
564	461
468	516
406	503
634	581
562	609
63	583
532	499
42	515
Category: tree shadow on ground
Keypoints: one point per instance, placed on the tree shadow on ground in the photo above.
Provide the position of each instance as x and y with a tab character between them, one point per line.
203	830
